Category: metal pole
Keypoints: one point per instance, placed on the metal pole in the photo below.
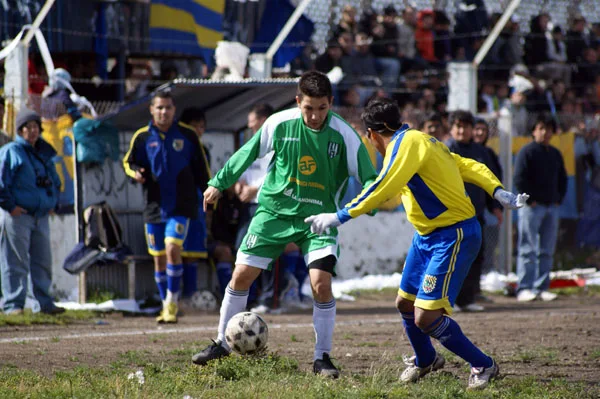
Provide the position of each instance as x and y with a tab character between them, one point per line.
285	31
38	21
489	41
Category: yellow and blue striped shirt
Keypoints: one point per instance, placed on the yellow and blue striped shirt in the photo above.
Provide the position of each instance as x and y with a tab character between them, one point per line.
430	179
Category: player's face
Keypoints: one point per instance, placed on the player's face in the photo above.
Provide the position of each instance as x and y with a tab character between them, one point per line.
377	141
480	133
462	132
433	128
163	112
542	133
255	122
314	110
199	127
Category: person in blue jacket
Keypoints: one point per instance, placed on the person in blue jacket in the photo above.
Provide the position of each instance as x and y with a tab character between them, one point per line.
29	188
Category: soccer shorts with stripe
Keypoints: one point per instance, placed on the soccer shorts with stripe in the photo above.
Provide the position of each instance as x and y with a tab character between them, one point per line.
174	229
268	234
437	264
195	245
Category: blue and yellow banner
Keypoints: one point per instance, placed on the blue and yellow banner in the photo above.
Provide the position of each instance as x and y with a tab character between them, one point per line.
190	27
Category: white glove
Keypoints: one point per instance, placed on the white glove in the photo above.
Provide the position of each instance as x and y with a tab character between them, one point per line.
320	224
510	200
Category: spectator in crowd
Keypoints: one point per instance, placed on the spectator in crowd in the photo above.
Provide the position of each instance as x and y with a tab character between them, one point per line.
518	97
4	138
167	159
491	230
506	50
588	69
348	23
407	49
540	170
577	39
29	188
346	41
432	124
442	45
462	143
557	67
331	58
385	47
425	35
536	44
471	23
360	68
194	247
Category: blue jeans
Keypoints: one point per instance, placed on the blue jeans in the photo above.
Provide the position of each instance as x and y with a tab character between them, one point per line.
24	250
538	229
389	70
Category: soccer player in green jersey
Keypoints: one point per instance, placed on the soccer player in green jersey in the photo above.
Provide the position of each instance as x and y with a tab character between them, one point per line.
314	153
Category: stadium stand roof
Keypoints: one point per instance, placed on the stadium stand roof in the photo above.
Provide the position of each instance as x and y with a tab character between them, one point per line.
225	103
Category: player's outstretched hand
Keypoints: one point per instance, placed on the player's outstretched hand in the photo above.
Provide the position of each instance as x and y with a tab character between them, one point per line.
211	195
510	200
320	224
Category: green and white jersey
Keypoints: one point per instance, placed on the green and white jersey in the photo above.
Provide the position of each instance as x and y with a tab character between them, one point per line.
309	171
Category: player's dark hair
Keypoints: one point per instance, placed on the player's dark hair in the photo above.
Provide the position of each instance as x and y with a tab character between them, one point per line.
547	120
431	116
161	94
314	84
382	115
262	110
465	117
192	114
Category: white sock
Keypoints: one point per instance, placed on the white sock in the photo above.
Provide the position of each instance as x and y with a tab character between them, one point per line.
324	323
233	303
171	297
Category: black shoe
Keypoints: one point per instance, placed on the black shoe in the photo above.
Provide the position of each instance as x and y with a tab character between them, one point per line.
54	310
325	368
212	352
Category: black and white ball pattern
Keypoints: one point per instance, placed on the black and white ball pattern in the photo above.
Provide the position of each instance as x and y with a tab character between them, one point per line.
246	333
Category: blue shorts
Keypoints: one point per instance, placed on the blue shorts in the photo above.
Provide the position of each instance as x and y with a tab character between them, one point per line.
174	229
194	245
437	264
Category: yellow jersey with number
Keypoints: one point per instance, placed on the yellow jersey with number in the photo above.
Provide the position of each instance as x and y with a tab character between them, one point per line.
430	179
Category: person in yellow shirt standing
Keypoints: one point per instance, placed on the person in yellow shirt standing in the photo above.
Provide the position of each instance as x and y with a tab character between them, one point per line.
431	181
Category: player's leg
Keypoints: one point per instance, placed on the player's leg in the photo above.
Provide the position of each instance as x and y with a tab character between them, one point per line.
155	239
176	231
194	252
223	257
321	252
265	240
456	248
425	359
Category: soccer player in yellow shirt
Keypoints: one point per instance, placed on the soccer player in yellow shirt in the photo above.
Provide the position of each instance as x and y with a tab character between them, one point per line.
431	181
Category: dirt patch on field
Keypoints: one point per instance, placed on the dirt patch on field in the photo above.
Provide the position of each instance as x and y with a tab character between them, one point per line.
545	340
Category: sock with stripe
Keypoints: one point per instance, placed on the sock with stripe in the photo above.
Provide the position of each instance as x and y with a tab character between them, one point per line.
161	283
449	333
174	273
233	303
323	322
190	279
420	341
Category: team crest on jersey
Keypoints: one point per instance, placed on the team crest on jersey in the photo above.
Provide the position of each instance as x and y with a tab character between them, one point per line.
251	241
179	228
307	165
429	283
178	144
333	149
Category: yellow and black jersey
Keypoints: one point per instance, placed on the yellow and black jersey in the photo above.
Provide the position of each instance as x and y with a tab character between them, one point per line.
430	179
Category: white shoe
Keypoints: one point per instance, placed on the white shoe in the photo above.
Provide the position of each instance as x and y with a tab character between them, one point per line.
413	372
261	309
526	296
481	376
547	296
457	309
473	307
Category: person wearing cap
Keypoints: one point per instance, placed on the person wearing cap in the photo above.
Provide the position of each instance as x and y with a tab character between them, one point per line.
577	39
29	187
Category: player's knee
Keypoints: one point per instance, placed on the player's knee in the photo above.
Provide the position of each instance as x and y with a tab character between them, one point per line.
404	305
223	253
243	277
173	251
322	291
426	319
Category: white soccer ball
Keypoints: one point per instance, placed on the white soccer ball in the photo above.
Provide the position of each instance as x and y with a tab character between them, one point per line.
204	300
246	333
